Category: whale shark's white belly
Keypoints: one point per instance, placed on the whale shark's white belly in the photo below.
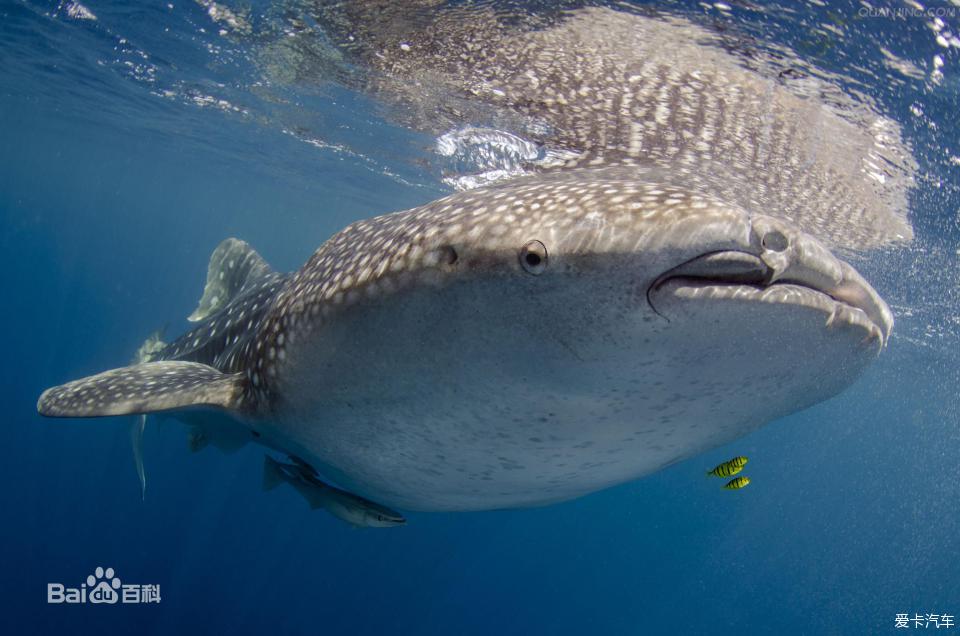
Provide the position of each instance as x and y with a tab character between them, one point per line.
454	428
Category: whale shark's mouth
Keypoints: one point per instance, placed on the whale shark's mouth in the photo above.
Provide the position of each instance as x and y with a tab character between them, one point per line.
845	299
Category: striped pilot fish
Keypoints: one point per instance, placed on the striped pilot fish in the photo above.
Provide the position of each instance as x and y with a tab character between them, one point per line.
728	468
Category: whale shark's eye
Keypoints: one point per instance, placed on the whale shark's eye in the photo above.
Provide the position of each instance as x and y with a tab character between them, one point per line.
533	257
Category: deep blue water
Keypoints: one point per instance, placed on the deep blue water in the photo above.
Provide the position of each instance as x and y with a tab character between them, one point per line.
112	195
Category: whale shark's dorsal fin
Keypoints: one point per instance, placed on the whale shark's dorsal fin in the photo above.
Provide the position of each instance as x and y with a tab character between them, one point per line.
144	388
233	266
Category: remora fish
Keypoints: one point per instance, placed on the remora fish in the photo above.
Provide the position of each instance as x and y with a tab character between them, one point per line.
514	345
347	507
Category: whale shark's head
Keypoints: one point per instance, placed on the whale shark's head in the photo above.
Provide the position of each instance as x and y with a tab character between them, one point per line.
584	309
586	269
545	255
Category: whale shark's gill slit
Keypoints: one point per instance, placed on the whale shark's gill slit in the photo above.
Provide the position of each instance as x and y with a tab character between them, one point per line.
566	345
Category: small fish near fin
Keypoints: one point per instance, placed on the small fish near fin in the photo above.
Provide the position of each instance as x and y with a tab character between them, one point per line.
143	388
233	266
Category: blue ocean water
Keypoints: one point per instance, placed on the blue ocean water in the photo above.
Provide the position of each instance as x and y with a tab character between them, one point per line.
133	138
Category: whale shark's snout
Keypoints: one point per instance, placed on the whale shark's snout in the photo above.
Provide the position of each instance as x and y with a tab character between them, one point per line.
780	264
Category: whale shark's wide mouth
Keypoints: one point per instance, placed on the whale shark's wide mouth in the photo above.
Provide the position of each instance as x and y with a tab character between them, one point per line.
844	299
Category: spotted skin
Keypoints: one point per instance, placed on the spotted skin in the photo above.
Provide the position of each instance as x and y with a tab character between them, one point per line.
225	339
152	386
612	87
421	361
234	268
683	295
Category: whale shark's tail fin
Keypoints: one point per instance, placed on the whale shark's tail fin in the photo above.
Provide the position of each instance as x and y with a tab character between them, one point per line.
233	266
144	388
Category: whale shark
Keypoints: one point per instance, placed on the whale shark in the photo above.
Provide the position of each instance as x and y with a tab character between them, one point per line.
665	273
578	86
514	345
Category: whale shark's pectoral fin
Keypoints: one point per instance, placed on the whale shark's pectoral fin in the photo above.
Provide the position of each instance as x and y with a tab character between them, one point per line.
234	265
143	388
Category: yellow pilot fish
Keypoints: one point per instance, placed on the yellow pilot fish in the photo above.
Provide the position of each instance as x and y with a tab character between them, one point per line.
737	483
729	468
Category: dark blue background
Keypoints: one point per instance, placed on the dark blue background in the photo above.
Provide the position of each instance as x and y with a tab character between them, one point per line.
111	200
